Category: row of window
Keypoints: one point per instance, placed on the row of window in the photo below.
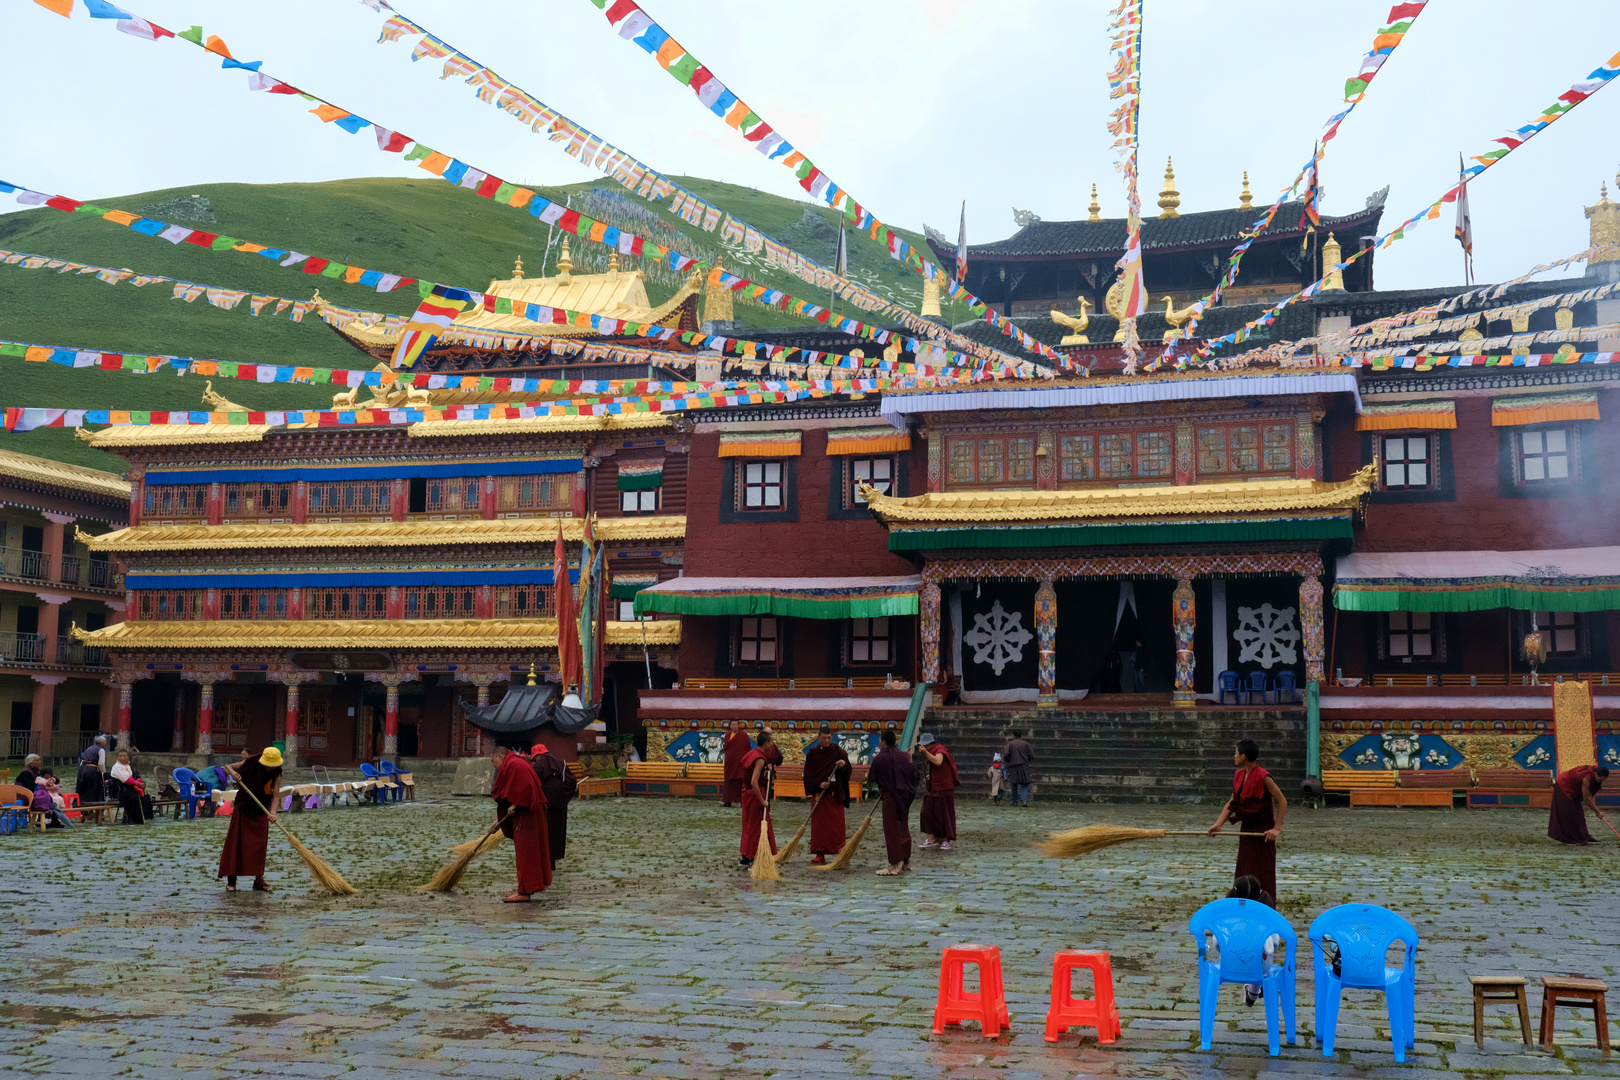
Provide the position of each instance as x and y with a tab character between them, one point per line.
362	498
1541	456
1115	456
1419	636
757	642
362	602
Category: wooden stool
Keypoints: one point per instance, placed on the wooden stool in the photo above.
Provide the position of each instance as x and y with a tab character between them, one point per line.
1574	994
1499	988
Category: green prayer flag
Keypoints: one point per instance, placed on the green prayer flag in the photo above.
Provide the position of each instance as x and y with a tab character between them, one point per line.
12	348
749	121
87	208
684	68
503	305
132	363
334	270
193	35
419	152
486	382
424	289
1352	87
321	375
504	193
140	417
228	370
223	243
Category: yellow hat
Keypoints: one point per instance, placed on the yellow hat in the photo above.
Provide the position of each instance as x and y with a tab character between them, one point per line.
271	758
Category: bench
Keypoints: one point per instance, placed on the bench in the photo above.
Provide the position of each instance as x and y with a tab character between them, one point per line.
790	782
673	778
1379	787
593	786
1433	787
859	682
1357	779
1403	678
1511	788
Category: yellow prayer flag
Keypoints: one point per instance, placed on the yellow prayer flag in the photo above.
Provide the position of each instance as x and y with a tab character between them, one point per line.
121	217
328	113
739	112
521	197
249	248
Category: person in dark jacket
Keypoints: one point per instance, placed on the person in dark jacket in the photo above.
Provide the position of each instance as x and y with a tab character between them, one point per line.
258	781
896	778
92	763
32	766
559	785
1018	756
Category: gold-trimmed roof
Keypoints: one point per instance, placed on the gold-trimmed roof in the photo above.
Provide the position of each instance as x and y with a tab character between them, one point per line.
40	470
381	534
363	634
616	422
168	434
1131	503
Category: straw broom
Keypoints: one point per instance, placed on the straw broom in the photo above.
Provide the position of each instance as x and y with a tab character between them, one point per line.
450	874
792	845
326	877
847	852
764	865
1083	841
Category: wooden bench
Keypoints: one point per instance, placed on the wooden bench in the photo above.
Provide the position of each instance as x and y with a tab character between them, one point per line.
1432	787
859	682
673	778
591	787
1379	787
1357	779
790	782
1511	788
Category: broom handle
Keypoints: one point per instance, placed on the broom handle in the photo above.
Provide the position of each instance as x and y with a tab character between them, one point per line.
1200	832
1605	821
274	821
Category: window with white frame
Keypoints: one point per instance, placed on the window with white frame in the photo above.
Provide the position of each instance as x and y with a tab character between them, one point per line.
875	472
761	485
1410	635
1544	455
870	641
639	502
756	640
1559	631
627	611
1408	462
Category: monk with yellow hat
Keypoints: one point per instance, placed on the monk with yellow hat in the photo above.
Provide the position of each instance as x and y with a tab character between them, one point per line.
258	780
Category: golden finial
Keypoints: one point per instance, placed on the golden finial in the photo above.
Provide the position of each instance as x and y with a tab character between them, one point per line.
1605	227
1246	200
1169	198
613	261
517	269
930	300
565	265
1331	257
531	674
1094	210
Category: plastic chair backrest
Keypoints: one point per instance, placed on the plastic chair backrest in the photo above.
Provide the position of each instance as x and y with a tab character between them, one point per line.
1257	681
183	779
319	773
1363	934
388	768
162	774
1240	928
1228	680
369	771
1285	680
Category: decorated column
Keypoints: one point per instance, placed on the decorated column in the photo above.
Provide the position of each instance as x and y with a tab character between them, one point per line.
126	696
205	717
928	605
177	741
290	755
391	722
1183	614
1310	623
1046	639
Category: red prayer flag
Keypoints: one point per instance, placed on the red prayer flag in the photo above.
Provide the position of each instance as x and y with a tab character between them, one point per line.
620	9
315	266
283	88
490	186
63	203
396	142
758	133
1404	11
569	222
201	239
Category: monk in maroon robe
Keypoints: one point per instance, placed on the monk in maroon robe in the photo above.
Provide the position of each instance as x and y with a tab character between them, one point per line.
756	799
938	817
733	750
1258	806
826	780
520	810
258	782
1576	788
896	779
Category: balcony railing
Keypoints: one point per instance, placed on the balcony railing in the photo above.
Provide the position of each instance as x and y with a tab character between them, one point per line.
75	570
22	648
78	654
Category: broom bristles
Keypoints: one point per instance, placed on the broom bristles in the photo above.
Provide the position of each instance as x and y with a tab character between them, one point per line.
450	875
847	852
788	850
764	868
1083	841
326	877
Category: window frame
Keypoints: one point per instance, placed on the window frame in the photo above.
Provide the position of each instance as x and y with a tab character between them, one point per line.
1442	474
1579	450
1437	630
841	505
1090	461
1005	460
740	640
1228	428
731	475
640	495
853	638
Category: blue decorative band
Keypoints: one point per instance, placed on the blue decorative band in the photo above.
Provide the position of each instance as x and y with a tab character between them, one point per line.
286	473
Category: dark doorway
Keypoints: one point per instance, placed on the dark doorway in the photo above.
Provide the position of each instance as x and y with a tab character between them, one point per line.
22	715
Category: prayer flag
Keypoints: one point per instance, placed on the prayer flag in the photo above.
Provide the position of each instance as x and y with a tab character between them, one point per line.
1465	225
961	246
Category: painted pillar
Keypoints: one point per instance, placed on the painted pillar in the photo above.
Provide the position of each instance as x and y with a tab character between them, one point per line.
1310	622
579	494
396	602
398	500
137	494
177	741
295	603
109	703
216	504
936	461
1183	614
486	503
300	502
1046	640
205	720
484	602
1046	461
391	723
1185	457
126	697
50	623
291	731
211	605
478	733
43	712
928	604
55	531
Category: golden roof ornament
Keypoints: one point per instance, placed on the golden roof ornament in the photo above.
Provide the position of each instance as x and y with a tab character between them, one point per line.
1094	210
1605	227
716	298
1246	200
1169	198
531	674
930	301
613	261
565	265
517	269
1076	326
1332	256
1564	318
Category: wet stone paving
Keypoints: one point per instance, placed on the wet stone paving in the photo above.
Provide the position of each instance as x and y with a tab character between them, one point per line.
654	955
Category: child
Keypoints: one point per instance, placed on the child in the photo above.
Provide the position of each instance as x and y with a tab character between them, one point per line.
998	778
1248	887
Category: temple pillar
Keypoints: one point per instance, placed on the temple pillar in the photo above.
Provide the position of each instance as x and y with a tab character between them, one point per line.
936	463
398	501
1185	453
486	501
43	712
50	624
216	504
1046	641
290	735
391	723
928	605
205	720
300	502
126	700
110	697
177	740
55	533
579	494
1310	624
137	494
1183	614
1046	461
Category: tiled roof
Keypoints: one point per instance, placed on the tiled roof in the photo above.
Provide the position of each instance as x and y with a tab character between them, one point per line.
170	434
40	470
363	634
1107	237
532	531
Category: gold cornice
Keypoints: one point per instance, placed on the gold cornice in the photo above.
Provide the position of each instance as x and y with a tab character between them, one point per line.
363	634
166	434
381	534
38	470
540	424
1098	504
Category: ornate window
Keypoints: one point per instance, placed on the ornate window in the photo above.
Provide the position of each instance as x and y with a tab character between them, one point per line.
1410	635
346	603
187	501
231	721
312	724
756	640
258	604
523	601
870	642
457	495
1245	449
255	500
169	604
441	601
1560	631
1408	462
349	498
1545	456
550	492
877	472
1078	457
759	485
997	461
644	501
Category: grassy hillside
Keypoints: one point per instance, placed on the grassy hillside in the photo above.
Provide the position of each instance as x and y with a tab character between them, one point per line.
421	228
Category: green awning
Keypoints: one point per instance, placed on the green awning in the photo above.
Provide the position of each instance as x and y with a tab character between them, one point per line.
1566	579
625	587
1169	532
804	598
637	477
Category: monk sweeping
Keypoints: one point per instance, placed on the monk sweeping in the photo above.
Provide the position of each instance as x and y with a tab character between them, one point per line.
758	770
732	751
938	817
1575	790
520	810
896	778
259	776
1258	805
826	780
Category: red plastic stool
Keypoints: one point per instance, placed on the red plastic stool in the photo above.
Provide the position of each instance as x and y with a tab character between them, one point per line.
988	1006
1098	1012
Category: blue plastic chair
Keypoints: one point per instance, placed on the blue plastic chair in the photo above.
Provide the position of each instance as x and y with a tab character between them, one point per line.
371	772
1240	929
1227	683
1363	934
397	775
187	783
1287	683
1257	685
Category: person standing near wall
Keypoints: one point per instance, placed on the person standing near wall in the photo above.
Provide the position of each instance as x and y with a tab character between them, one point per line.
938	817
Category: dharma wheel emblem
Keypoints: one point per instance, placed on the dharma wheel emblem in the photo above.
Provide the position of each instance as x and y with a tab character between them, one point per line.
998	639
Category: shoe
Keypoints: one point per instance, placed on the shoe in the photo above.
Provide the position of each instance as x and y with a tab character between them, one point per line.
260	886
819	860
928	841
1251	993
945	846
745	861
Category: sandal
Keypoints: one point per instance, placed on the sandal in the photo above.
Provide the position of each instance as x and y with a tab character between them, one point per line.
259	886
886	872
517	898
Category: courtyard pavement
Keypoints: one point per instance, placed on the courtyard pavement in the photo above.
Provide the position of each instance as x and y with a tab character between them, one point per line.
654	955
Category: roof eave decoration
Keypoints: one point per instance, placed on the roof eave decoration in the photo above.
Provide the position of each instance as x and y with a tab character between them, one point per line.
247	536
1544	409
760	444
362	634
172	434
1409	416
77	478
539	424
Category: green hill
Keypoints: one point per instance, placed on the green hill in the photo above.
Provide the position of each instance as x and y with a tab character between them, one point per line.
421	228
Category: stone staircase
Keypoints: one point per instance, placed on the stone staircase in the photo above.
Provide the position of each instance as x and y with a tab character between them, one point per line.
1154	754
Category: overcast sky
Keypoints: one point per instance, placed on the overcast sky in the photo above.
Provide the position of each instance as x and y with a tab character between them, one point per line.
911	105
